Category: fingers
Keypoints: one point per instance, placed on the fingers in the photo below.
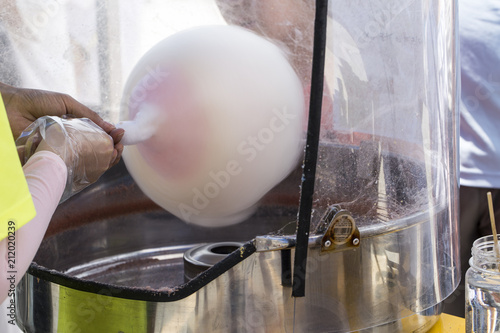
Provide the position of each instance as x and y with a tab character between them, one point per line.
74	107
39	103
117	154
116	135
24	106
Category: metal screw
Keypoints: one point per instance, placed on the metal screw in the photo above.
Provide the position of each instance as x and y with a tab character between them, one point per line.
355	241
328	243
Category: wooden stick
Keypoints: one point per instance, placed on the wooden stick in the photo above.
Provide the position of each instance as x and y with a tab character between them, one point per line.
493	225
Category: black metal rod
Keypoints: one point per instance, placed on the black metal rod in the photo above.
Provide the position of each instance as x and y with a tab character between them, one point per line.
311	151
286	268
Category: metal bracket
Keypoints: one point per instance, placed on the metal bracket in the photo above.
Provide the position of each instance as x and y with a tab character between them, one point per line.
339	230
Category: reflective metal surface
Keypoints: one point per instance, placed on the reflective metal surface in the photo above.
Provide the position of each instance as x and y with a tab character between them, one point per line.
110	266
199	258
247	298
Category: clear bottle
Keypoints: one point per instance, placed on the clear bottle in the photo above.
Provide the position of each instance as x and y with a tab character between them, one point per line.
482	292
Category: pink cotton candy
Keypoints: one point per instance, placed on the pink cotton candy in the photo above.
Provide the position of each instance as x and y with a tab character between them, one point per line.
227	127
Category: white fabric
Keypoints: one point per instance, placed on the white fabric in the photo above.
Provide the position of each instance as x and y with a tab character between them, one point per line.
479	23
46	175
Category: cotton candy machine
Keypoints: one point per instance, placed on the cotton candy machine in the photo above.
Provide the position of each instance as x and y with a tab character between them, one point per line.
361	236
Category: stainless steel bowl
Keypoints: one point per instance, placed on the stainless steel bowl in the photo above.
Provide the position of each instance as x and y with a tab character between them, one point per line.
112	261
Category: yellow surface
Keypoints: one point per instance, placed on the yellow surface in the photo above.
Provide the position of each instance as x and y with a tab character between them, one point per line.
16	206
83	312
449	324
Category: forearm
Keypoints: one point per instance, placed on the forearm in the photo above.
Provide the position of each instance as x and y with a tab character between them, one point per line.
46	175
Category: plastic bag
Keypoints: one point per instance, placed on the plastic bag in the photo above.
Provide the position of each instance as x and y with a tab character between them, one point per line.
83	146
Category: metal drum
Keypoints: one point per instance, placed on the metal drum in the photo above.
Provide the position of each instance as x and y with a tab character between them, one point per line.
116	263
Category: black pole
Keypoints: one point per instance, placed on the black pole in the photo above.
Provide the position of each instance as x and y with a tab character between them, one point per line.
311	151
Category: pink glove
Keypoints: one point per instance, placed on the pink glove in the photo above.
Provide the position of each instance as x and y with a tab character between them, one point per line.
46	174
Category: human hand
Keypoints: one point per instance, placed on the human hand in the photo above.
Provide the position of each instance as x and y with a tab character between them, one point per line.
84	147
24	106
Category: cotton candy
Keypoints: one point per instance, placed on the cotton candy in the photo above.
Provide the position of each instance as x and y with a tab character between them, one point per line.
217	114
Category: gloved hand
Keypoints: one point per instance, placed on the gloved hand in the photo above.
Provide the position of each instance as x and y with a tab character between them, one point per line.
84	147
24	106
